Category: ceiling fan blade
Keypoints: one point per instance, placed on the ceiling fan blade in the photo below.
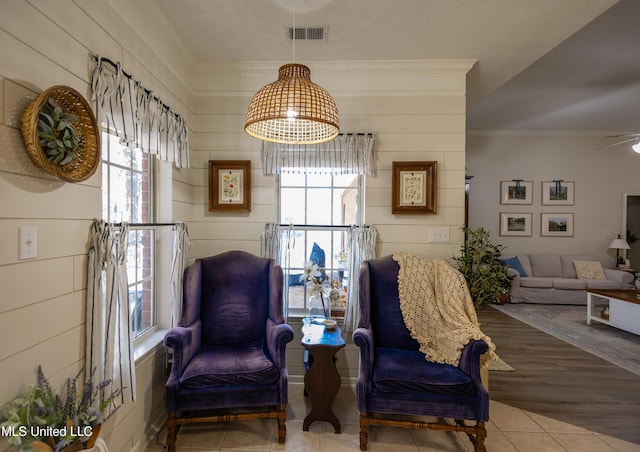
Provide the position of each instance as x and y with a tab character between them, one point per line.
618	143
624	135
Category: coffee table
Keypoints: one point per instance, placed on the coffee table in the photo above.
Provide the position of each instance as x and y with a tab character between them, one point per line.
624	308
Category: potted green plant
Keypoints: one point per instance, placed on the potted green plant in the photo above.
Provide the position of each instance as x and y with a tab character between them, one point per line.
479	262
41	419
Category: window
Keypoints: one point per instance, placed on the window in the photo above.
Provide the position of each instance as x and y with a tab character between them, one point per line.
127	187
321	206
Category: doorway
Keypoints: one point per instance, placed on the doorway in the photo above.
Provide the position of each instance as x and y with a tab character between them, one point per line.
631	226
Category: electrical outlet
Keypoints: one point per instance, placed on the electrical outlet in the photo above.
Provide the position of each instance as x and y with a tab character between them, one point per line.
28	242
439	235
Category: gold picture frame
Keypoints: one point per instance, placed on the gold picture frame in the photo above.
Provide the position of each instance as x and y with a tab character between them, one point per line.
229	185
414	188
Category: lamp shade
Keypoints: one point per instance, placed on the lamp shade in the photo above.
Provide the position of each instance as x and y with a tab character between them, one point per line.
293	110
619	244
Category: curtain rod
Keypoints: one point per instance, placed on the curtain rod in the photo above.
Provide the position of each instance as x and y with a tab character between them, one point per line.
318	226
146	225
130	77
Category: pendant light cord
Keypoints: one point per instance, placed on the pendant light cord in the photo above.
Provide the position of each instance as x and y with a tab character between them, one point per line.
293	33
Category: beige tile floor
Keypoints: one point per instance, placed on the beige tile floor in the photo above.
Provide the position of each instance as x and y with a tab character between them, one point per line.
510	429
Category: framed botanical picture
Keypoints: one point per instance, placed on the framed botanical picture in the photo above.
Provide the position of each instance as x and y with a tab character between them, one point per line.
515	224
556	224
516	192
229	185
414	187
558	193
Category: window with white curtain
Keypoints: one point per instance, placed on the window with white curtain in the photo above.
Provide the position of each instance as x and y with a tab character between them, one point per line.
127	195
321	205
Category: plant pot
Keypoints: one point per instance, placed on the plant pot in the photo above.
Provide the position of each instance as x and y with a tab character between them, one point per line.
502	298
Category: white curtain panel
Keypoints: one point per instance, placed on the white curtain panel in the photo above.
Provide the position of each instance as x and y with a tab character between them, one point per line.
362	247
108	354
345	154
277	242
134	114
180	247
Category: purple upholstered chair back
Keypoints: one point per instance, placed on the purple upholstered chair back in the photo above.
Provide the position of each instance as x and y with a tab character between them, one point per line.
380	305
229	294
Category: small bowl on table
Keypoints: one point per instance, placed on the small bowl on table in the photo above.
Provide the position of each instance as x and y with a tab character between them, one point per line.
330	324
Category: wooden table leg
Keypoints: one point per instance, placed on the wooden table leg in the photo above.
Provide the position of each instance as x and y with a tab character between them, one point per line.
322	383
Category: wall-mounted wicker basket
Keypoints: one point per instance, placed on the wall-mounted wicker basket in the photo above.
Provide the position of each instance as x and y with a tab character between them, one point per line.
71	101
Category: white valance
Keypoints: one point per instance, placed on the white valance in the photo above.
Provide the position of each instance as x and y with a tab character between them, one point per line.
345	154
136	116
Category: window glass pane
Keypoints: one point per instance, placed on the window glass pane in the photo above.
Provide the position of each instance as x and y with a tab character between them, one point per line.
346	206
132	257
118	154
292	180
138	159
319	206
319	180
298	254
126	195
292	204
105	192
324	201
119	206
136	198
345	180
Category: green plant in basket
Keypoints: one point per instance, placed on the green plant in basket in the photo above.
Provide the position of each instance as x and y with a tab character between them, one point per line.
41	419
58	137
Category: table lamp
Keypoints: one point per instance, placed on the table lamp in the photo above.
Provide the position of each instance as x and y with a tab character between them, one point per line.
619	244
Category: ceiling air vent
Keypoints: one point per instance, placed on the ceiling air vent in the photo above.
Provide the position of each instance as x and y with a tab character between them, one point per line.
307	33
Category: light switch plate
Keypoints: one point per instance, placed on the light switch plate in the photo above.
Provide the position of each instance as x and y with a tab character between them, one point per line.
28	242
439	235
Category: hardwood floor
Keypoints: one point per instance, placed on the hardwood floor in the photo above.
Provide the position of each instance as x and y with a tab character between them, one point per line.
558	380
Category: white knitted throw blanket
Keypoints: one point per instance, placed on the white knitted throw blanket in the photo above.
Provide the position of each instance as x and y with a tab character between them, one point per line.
437	309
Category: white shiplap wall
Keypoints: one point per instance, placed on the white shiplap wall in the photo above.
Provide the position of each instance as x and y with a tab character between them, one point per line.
45	43
416	109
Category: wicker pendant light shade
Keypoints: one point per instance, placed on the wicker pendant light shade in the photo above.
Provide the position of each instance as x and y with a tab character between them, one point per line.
293	110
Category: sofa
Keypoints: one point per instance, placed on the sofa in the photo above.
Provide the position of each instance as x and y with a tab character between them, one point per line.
560	279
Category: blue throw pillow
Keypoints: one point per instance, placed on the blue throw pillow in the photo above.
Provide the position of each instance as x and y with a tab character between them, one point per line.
514	262
317	255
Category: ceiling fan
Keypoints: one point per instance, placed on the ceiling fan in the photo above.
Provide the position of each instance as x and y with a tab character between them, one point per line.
625	138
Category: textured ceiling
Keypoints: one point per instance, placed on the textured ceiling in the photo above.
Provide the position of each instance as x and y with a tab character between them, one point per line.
522	80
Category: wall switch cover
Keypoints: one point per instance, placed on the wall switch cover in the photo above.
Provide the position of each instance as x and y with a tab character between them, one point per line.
28	242
439	235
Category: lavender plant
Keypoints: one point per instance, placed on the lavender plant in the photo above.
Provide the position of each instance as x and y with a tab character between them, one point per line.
42	419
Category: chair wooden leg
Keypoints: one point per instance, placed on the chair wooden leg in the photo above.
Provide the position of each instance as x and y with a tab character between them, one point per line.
481	434
477	437
172	432
282	423
364	431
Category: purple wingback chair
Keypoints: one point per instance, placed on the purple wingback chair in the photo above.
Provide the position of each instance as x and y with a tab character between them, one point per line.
229	347
394	376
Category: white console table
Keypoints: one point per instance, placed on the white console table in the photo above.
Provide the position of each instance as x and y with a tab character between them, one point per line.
624	309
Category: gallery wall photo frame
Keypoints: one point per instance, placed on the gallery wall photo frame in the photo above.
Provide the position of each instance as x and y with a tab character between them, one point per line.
556	224
229	185
515	224
414	188
558	193
516	192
